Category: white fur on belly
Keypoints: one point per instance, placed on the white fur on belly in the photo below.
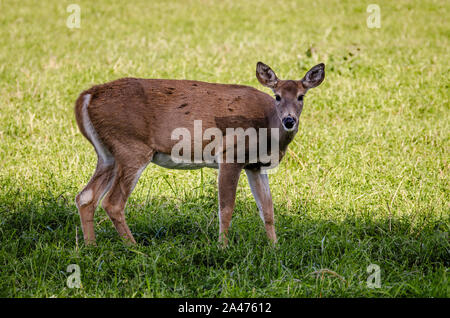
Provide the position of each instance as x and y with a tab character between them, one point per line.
164	160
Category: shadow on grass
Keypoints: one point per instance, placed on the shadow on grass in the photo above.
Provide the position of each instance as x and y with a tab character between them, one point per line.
177	246
54	218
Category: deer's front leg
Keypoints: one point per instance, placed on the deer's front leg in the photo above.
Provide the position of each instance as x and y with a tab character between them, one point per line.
259	184
228	180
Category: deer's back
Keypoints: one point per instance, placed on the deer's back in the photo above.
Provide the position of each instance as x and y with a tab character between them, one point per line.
148	110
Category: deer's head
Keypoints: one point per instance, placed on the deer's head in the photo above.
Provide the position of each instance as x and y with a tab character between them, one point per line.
289	93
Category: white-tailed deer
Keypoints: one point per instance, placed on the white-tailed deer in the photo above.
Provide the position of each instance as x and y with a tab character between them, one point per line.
130	123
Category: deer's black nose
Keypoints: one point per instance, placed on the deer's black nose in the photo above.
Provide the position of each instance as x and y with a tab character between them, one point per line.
288	122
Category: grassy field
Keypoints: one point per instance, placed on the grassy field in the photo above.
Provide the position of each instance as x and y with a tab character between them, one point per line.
366	181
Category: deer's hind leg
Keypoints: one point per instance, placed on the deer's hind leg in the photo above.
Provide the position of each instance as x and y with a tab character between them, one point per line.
127	173
88	199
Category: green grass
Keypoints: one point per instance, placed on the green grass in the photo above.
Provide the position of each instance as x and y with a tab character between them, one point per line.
367	181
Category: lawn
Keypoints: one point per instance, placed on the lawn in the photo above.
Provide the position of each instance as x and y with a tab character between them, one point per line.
366	180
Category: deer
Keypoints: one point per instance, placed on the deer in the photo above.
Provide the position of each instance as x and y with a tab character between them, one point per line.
130	121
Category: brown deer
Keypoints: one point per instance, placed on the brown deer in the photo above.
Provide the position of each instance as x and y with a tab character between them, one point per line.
130	123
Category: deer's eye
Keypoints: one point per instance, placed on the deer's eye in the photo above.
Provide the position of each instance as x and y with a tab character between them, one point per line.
278	97
300	98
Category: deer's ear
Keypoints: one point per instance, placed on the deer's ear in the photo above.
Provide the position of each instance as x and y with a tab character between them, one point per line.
266	76
314	77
